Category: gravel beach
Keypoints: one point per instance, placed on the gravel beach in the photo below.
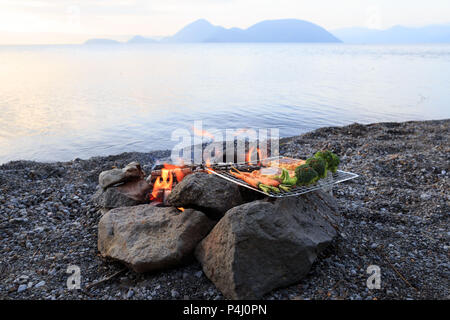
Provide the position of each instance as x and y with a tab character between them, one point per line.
395	216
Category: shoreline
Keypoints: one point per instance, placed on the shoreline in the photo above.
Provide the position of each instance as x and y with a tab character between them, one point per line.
158	152
395	215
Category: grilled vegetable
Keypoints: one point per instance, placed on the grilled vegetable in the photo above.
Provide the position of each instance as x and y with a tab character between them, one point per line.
306	175
267	188
267	181
285	187
250	180
256	181
264	188
286	179
318	164
331	159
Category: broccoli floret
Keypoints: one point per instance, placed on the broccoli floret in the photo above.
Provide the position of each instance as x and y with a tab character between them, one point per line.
305	175
331	159
335	163
319	165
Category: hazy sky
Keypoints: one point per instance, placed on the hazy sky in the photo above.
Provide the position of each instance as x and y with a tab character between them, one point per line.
65	21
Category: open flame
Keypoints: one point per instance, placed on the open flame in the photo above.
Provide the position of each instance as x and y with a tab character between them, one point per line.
177	170
208	165
163	182
248	156
168	176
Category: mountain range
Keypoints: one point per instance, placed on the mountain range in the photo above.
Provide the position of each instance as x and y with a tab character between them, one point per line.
285	30
397	34
294	30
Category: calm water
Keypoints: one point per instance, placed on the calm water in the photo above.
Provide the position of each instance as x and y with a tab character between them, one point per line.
64	102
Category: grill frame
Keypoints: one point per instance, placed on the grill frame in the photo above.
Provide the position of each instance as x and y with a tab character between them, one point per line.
323	184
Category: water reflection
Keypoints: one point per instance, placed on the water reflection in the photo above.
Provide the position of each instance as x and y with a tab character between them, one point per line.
63	102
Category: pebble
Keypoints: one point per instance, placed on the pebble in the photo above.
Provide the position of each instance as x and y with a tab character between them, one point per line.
174	294
22	288
425	196
130	293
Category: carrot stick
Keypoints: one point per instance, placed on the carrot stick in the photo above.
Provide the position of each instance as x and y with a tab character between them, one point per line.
252	176
251	181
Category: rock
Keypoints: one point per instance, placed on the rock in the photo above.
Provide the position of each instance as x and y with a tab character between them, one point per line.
40	284
22	288
263	245
128	194
425	196
131	172
130	293
148	238
199	274
23	278
210	194
174	294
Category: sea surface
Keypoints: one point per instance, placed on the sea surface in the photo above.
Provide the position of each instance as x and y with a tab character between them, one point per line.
64	102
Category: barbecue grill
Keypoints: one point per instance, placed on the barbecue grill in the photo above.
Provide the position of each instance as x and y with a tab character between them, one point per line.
222	170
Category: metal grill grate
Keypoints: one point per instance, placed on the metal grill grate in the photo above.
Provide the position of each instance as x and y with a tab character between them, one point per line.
222	170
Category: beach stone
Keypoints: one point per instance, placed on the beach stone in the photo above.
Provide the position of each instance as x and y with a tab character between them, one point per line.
206	192
262	245
148	238
22	287
128	194
132	171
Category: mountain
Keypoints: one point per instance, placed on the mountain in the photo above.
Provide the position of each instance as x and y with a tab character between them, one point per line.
397	34
141	39
101	41
286	30
197	31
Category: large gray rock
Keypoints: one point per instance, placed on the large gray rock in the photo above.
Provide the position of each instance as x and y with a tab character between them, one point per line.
207	192
263	245
128	194
112	177
148	238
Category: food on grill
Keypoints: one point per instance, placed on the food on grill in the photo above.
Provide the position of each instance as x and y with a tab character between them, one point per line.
319	165
262	179
285	187
305	175
286	163
254	178
286	178
247	178
267	188
270	172
331	159
264	188
286	173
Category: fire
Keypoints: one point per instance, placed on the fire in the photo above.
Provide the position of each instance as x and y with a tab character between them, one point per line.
166	179
208	165
163	182
248	156
181	209
177	170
